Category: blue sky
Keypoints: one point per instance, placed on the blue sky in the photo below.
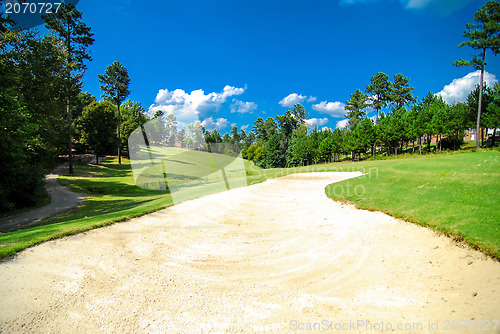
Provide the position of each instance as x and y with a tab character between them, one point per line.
230	62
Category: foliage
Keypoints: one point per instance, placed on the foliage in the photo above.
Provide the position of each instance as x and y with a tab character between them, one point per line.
401	93
114	84
133	116
31	114
356	106
380	90
97	126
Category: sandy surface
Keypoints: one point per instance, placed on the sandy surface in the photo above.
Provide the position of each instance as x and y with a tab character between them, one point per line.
277	256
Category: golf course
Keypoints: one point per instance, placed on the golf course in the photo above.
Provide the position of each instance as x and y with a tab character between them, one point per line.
267	256
250	167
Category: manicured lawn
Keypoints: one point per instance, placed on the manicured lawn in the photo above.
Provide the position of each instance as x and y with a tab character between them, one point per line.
454	193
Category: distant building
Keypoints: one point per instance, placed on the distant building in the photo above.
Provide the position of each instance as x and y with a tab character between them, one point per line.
471	133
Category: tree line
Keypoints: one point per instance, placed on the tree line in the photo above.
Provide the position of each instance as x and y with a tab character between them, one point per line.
408	126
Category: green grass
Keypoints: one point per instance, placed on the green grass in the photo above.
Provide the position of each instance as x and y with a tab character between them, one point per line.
453	193
456	194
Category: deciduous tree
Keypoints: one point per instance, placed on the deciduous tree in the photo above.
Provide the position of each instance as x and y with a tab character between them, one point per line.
97	126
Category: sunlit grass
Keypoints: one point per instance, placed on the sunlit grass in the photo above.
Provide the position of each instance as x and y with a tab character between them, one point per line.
456	194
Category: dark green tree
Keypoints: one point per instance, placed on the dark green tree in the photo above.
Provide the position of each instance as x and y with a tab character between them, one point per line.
401	92
273	155
114	84
482	35
76	38
97	126
356	106
476	98
235	135
133	117
492	118
380	91
264	129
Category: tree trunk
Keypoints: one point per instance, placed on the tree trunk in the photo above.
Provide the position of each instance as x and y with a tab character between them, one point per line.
420	145
375	142
97	159
70	144
482	136
119	138
493	138
479	103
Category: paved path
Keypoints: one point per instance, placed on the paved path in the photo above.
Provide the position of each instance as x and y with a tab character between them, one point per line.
61	200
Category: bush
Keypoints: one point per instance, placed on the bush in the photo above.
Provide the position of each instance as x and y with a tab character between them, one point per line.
22	186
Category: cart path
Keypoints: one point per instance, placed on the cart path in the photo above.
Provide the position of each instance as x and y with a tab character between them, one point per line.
268	257
61	200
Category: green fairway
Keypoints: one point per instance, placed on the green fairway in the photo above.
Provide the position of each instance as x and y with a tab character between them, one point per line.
457	194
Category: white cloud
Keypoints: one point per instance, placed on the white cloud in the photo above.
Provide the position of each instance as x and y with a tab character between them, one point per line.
313	122
230	91
417	3
342	124
326	128
458	89
187	107
442	7
219	124
242	107
292	100
295	98
334	109
245	127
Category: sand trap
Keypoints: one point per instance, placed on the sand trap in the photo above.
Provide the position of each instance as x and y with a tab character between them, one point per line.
276	256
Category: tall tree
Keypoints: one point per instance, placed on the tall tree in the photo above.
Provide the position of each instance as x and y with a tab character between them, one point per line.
482	35
356	106
114	84
380	90
66	24
235	135
401	91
